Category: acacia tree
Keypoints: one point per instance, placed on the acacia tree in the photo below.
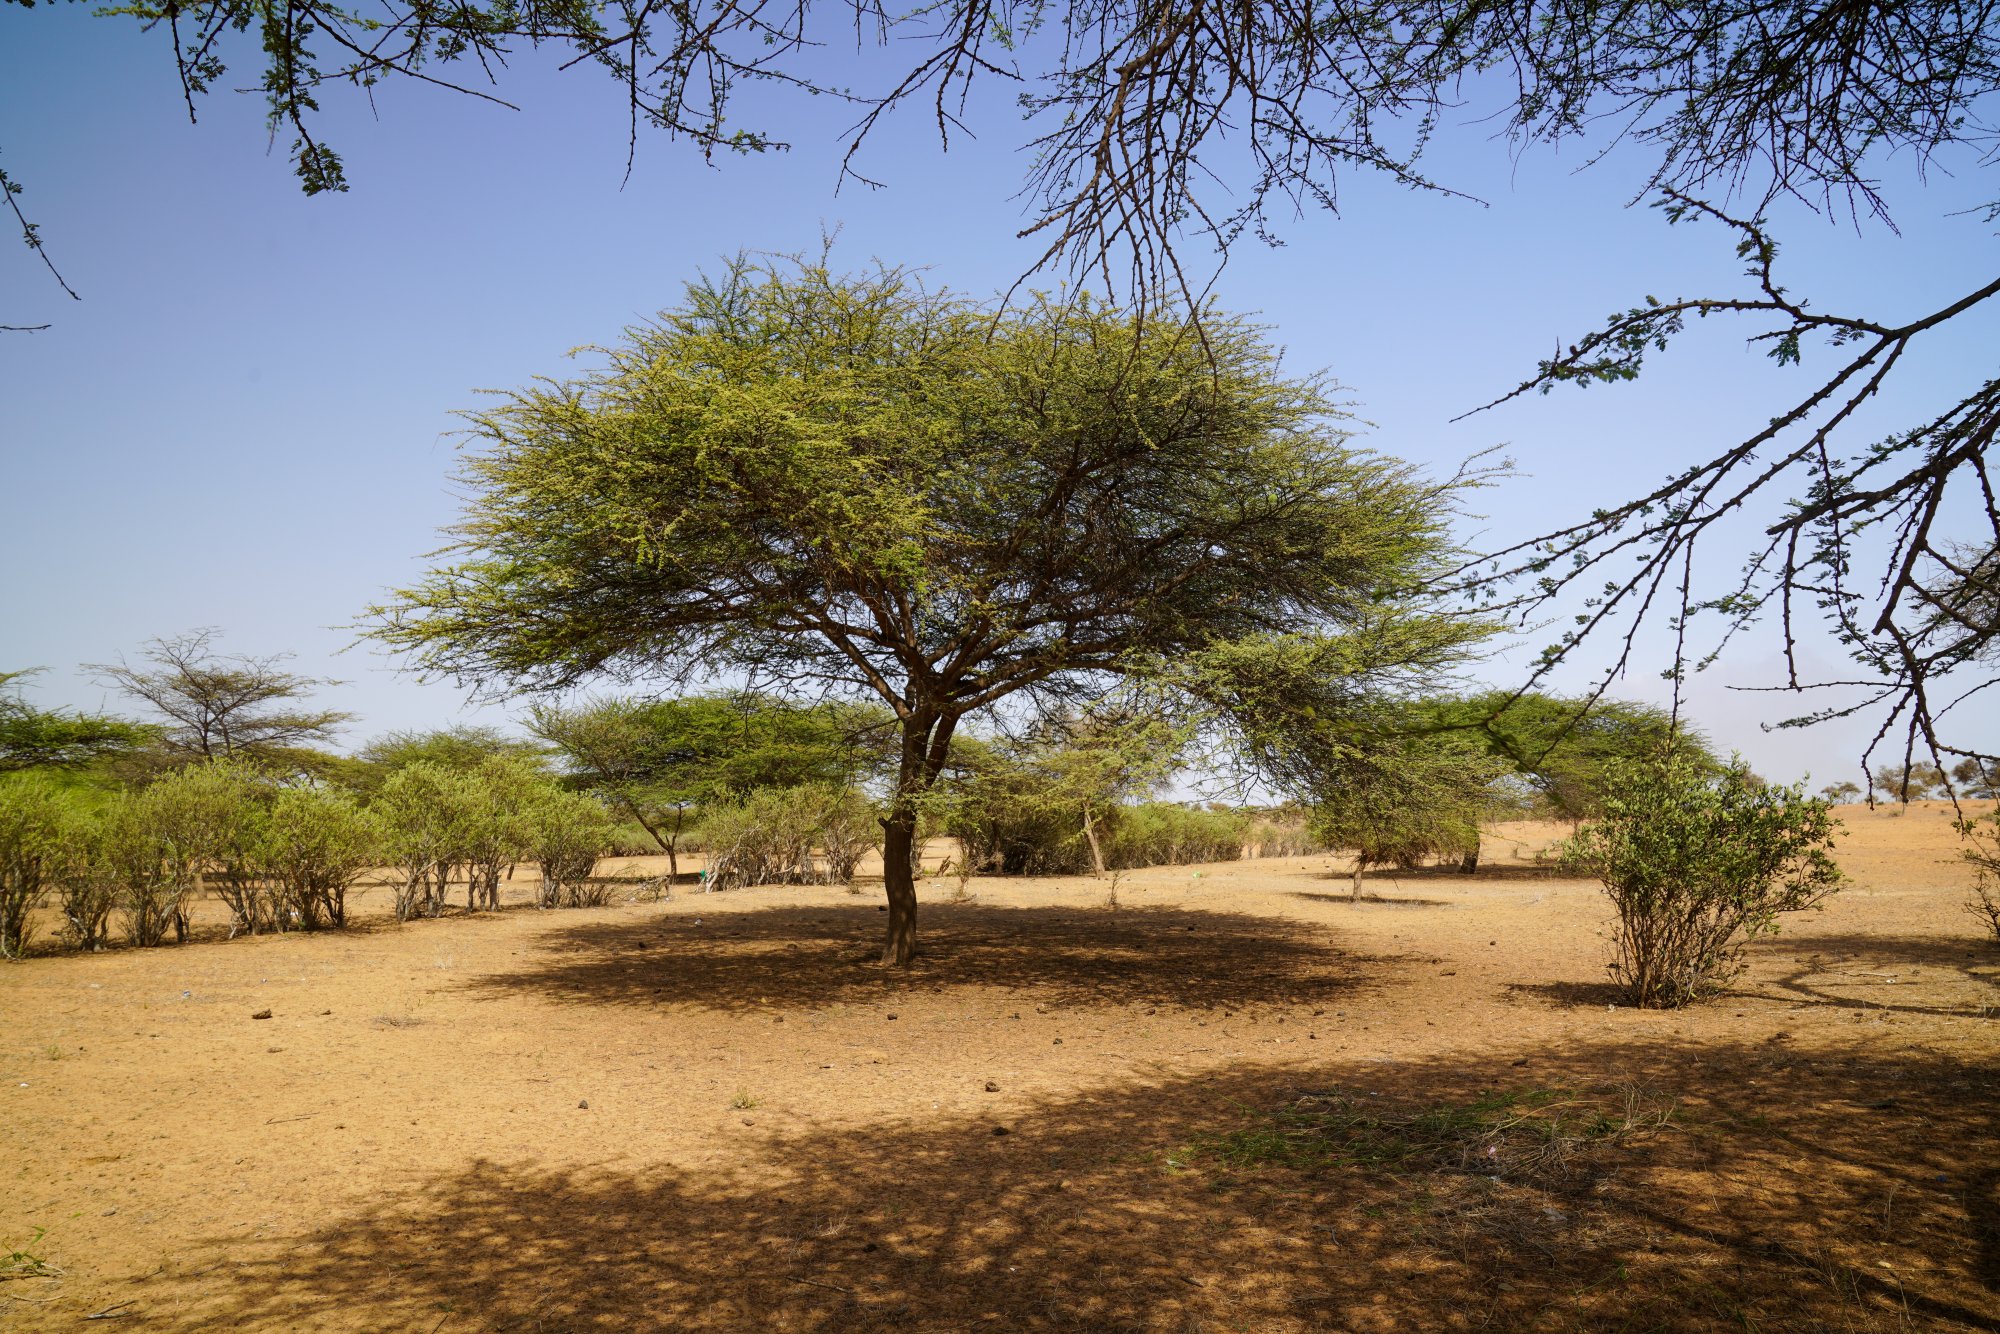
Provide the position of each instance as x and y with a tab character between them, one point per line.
219	706
857	485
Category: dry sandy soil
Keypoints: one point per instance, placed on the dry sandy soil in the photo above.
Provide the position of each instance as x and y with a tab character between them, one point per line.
719	1113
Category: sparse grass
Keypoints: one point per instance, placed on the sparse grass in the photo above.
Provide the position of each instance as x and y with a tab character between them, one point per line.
397	1020
53	1051
23	1263
1528	1134
744	1101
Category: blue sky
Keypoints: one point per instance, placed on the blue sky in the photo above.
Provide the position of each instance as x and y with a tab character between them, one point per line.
246	421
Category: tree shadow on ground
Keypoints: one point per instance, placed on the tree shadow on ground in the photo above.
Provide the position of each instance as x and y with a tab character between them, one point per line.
1367	899
1831	969
1572	995
1495	872
815	957
1796	1192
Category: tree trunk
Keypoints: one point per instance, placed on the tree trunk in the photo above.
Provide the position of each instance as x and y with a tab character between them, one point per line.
1096	849
899	832
1469	864
1354	882
926	743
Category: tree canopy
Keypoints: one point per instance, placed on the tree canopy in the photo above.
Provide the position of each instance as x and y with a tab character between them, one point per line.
857	486
32	738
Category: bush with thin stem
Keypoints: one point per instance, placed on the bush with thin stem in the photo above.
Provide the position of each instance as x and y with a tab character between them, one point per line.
425	812
88	892
1699	861
567	833
39	829
160	844
319	841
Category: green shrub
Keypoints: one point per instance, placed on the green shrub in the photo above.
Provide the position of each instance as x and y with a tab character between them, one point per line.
200	824
40	831
1400	800
501	793
425	813
1165	834
1697	862
771	837
1982	834
88	892
318	841
567	833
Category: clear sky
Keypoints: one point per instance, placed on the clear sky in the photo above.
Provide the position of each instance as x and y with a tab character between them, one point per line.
246	422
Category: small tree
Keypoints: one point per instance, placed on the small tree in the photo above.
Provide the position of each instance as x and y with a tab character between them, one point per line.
1698	863
1978	779
89	891
1395	800
1909	782
501	794
1842	792
159	843
318	841
659	761
40	832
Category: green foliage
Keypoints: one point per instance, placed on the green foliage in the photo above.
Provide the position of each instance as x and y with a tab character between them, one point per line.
1164	833
318	841
1533	1134
40	834
1910	782
1978	779
1567	750
1054	801
157	843
459	748
497	824
1698	862
658	762
32	738
567	833
1842	792
426	814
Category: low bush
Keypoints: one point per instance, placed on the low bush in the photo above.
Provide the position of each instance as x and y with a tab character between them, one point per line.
318	841
1166	834
158	844
40	831
567	833
771	837
1699	861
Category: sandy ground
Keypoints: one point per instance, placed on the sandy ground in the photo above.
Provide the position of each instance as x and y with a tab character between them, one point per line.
719	1113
